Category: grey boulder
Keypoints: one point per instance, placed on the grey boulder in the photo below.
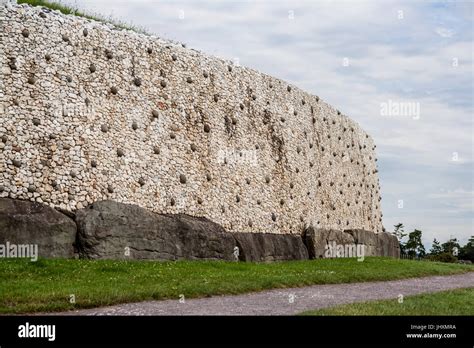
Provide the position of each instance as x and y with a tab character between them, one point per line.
318	240
388	245
270	247
367	238
25	222
112	230
375	244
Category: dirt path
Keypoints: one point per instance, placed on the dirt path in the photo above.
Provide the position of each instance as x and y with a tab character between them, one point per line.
288	301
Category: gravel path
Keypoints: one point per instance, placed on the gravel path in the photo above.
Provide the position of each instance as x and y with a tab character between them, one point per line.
287	301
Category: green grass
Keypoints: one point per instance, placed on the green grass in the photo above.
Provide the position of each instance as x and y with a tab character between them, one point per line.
70	10
45	285
452	302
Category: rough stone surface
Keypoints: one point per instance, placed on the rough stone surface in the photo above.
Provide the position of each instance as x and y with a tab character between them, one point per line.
388	245
255	147
316	240
367	238
270	247
24	222
109	230
376	244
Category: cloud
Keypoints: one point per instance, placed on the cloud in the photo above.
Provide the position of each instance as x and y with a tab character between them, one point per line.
444	32
458	200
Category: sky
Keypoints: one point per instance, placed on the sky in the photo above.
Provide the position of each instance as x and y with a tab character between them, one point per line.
402	69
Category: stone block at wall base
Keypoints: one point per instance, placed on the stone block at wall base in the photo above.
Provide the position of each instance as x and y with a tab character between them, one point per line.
375	244
316	240
270	247
388	245
32	223
112	230
367	238
107	228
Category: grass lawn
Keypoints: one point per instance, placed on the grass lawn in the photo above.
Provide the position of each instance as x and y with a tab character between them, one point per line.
46	285
452	302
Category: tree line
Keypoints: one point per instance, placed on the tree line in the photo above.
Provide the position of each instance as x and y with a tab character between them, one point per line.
449	251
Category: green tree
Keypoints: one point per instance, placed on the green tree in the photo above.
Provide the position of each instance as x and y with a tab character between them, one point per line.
450	245
436	248
467	251
414	246
399	232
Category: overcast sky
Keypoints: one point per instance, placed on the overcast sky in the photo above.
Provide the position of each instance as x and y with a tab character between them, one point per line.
357	56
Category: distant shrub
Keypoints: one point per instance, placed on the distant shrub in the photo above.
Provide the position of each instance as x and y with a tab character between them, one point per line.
443	257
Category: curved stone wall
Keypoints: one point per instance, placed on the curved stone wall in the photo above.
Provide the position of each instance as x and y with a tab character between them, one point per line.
89	113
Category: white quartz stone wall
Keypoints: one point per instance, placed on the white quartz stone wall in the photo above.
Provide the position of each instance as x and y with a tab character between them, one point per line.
89	112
